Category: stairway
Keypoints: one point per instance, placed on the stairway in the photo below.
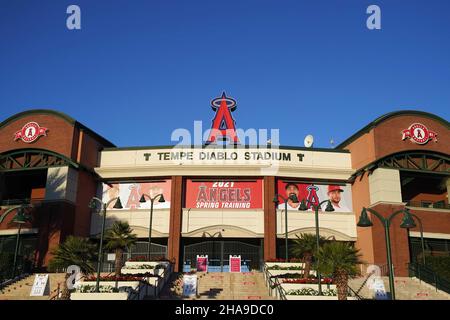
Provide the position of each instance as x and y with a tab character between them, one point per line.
405	289
20	290
233	286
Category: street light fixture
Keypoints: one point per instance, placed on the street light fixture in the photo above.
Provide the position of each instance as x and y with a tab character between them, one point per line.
20	218
104	206
294	199
421	236
329	208
407	222
142	200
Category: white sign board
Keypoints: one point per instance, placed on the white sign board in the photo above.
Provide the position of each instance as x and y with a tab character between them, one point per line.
189	285
379	289
111	256
40	285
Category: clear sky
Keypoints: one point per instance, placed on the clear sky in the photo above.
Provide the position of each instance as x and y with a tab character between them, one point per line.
137	70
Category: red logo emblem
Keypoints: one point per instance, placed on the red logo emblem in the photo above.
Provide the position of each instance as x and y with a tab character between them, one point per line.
30	132
223	122
419	134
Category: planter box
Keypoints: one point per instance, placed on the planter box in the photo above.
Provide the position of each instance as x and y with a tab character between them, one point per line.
151	263
285	264
132	284
292	297
158	272
297	286
99	296
278	272
143	288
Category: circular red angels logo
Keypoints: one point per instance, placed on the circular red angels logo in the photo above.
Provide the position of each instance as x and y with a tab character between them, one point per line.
30	132
419	133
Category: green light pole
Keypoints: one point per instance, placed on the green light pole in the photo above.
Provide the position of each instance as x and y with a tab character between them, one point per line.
142	200
407	222
421	236
329	208
20	218
294	199
103	207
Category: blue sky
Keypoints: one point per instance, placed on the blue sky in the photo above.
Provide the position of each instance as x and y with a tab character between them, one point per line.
137	70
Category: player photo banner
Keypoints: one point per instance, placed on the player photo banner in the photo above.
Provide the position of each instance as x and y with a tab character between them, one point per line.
340	196
224	194
130	194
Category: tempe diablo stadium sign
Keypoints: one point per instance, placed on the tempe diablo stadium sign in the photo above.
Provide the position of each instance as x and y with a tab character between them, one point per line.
224	194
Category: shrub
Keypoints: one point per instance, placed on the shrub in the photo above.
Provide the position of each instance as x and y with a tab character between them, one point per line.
440	265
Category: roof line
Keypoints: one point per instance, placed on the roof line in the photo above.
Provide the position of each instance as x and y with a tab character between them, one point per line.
387	116
59	114
211	147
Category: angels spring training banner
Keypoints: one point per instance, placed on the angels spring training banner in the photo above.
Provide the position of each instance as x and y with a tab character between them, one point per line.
340	196
130	193
224	194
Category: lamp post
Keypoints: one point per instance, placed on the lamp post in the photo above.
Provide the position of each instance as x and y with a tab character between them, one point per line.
20	218
104	206
329	208
294	199
421	236
407	222
142	200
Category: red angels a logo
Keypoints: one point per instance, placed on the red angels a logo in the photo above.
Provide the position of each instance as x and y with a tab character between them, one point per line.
30	132
418	133
223	123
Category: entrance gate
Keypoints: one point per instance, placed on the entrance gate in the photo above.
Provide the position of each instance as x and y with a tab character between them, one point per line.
218	255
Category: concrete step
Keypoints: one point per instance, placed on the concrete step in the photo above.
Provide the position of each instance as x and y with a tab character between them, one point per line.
21	289
405	289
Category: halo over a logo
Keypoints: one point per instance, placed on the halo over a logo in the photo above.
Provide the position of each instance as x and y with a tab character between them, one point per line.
419	134
223	123
30	132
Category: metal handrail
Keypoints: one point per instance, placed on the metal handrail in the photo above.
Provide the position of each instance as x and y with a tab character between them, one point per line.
274	283
426	274
356	294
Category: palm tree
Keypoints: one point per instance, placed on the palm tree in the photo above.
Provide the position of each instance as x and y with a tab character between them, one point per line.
74	251
305	247
339	259
118	238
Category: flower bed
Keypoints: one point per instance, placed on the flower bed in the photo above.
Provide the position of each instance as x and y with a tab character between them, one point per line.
282	267
139	266
311	292
134	277
308	281
295	260
145	259
91	289
108	291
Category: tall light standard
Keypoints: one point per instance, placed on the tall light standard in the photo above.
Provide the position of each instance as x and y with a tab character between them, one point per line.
329	208
104	206
20	218
407	222
142	200
421	236
294	199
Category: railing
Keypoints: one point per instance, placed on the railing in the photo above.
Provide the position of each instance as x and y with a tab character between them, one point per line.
428	204
353	293
425	274
273	283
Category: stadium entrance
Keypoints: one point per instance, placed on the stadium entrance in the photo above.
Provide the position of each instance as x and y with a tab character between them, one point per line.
218	254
